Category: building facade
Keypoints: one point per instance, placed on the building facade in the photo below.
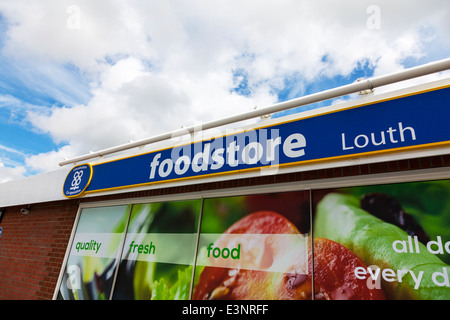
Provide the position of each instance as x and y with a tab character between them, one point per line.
272	210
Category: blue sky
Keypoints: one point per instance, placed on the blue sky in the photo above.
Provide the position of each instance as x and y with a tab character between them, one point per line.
25	87
79	76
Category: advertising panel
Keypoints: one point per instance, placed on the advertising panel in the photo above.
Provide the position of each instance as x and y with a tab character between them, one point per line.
89	272
401	232
159	251
254	247
380	242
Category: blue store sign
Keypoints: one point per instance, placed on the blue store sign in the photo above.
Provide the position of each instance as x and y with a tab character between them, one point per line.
77	180
410	122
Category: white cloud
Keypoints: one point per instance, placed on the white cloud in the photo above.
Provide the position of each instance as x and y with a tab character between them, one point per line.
154	66
11	150
48	161
11	173
43	31
133	103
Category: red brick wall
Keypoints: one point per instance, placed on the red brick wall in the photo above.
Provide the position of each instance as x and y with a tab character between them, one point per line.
32	249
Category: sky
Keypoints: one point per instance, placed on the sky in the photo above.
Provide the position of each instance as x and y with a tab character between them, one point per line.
84	75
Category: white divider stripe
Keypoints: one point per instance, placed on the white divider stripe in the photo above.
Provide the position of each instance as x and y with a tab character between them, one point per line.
102	245
262	252
177	248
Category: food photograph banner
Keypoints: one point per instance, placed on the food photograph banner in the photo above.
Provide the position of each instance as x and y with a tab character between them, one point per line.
89	271
410	122
158	254
379	242
271	234
401	232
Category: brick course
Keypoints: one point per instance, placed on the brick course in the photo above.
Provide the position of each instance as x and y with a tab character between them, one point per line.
32	249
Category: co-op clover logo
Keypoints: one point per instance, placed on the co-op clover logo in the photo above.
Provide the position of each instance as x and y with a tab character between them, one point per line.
77	180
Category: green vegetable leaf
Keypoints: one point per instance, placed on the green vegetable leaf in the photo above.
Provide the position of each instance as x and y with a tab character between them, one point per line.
178	291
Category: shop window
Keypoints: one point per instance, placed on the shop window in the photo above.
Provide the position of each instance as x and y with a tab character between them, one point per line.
158	255
391	241
367	242
255	247
94	254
